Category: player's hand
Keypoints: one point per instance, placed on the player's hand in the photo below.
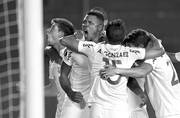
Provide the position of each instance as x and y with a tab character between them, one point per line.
79	34
108	71
144	99
76	96
82	104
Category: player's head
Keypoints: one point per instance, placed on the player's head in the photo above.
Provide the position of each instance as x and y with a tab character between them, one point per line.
104	13
60	27
115	31
137	38
92	25
101	11
63	25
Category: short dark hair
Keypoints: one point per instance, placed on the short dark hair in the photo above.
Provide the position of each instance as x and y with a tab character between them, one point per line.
101	11
137	37
97	14
65	25
115	31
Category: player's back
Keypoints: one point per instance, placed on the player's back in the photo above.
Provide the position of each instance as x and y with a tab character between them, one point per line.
163	87
110	93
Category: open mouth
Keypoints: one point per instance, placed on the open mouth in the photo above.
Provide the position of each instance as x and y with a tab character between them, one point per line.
85	33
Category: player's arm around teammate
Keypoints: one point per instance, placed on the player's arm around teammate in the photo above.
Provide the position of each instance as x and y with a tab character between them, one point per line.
75	96
138	72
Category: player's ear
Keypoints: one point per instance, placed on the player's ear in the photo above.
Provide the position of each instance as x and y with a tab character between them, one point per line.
100	27
60	34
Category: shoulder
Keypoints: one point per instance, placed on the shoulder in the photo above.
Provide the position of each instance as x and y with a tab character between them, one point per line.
52	53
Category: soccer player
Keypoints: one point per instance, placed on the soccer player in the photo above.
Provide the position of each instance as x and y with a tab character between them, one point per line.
135	102
60	27
162	84
109	96
78	84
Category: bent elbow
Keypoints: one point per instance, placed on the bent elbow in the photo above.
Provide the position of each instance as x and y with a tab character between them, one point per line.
162	51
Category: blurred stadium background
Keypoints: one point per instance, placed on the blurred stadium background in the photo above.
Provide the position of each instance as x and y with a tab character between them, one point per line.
161	17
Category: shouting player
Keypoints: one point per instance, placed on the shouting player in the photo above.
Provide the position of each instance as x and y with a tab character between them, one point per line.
109	96
77	84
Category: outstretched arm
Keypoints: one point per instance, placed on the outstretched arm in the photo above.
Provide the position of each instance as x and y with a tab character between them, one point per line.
70	42
136	72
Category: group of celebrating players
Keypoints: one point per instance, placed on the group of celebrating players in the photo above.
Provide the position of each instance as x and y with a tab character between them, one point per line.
100	72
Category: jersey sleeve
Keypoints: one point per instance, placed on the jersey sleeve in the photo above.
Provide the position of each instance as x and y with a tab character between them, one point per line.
151	61
138	53
86	47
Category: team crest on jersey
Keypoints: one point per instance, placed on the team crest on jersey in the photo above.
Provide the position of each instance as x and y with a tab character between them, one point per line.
88	45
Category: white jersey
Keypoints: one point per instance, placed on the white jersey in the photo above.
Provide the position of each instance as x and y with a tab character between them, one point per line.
163	88
111	93
54	73
80	76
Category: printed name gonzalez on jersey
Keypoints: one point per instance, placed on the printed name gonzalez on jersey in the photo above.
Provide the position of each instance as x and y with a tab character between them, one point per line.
115	54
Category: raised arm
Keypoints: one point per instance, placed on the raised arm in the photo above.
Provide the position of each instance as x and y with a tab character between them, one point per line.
154	48
70	42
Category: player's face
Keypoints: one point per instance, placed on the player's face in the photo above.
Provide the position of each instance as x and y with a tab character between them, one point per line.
92	27
55	32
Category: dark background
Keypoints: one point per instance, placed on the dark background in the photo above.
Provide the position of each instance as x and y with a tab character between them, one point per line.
161	17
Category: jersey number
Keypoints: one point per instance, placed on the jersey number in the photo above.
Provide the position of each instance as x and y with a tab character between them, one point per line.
112	63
